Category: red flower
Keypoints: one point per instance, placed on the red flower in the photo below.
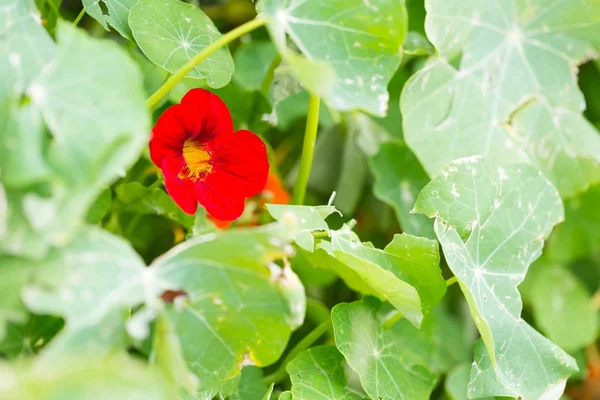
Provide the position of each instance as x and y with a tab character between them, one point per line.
274	193
203	160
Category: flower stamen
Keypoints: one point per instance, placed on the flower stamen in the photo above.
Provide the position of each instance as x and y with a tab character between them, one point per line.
198	161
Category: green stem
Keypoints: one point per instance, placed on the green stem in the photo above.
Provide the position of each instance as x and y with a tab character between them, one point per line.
451	281
397	316
308	149
198	58
302	345
270	75
79	17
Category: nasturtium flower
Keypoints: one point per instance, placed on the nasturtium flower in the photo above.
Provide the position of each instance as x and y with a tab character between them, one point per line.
204	160
274	193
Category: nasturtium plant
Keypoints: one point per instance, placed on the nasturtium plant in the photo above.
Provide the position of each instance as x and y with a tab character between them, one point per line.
299	199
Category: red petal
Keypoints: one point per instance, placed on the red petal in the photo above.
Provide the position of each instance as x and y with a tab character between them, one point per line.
180	190
168	135
201	114
240	166
208	116
218	203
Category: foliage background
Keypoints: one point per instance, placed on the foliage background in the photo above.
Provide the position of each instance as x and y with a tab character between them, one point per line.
89	240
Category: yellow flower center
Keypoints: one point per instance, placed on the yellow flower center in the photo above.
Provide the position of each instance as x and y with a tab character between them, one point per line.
197	161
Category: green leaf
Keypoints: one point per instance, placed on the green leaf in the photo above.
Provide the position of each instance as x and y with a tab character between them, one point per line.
368	134
287	395
349	50
457	381
417	45
514	96
151	201
579	235
91	99
491	222
25	45
353	175
399	177
170	33
562	307
100	207
318	374
252	385
310	272
89	283
252	61
391	363
307	219
86	378
169	355
240	306
115	16
15	273
27	339
406	272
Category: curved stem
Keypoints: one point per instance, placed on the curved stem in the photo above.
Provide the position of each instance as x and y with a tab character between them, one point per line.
79	17
450	281
198	58
308	149
266	83
302	345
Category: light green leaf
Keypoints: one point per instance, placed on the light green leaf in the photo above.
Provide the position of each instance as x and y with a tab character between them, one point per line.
562	307
349	50
307	219
287	395
391	363
309	272
91	99
252	61
240	306
579	235
491	221
318	374
406	272
399	177
151	201
89	283
86	378
116	15
170	33
25	46
515	95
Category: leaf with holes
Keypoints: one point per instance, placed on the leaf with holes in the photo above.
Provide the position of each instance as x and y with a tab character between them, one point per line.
348	50
518	70
111	12
170	33
240	307
318	374
491	222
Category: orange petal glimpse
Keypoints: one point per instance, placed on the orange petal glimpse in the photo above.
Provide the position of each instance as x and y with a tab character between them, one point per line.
274	192
204	160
